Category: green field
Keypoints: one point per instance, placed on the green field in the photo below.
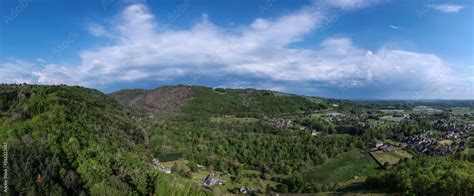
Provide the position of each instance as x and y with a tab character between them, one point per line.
343	168
180	162
391	157
232	120
461	110
395	143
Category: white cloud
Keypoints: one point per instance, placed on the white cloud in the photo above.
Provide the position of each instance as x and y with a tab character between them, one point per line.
96	30
17	71
142	50
393	27
448	8
350	4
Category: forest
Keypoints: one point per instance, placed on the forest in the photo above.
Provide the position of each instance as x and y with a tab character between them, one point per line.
75	141
78	141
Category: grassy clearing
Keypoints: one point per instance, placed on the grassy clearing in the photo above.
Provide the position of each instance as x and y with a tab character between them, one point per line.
179	162
445	142
392	118
250	178
392	157
461	110
232	120
392	142
343	168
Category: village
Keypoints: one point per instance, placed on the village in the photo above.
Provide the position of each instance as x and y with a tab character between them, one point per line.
444	138
449	137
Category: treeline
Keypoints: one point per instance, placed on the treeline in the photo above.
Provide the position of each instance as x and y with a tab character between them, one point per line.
427	176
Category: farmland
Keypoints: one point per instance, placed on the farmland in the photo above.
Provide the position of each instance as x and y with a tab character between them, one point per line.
390	157
232	119
345	167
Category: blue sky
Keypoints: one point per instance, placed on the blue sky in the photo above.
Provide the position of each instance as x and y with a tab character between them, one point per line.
361	49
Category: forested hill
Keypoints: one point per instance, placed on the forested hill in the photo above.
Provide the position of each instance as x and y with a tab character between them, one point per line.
191	140
75	141
205	102
276	142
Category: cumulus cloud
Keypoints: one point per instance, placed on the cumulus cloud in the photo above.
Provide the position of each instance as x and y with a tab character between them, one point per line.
448	8
17	71
350	4
257	55
394	27
96	30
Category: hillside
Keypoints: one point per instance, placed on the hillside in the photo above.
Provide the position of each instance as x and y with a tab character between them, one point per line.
72	140
78	141
205	102
160	102
275	142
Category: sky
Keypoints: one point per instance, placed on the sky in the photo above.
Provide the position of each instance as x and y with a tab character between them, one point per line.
351	49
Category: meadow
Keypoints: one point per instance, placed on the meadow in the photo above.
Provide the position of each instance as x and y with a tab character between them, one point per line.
347	166
390	157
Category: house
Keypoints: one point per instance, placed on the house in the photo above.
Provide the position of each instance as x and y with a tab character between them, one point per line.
281	123
315	133
167	170
378	144
246	190
208	181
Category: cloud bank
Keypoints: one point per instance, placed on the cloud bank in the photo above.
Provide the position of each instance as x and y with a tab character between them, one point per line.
448	8
254	55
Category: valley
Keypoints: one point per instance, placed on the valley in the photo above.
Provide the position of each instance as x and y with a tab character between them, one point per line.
193	140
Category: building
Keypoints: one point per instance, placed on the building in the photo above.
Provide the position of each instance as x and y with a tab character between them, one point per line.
246	190
209	181
378	144
315	133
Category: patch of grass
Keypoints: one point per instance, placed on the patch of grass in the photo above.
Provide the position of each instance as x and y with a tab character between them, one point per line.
461	110
445	142
179	162
392	142
232	120
342	168
392	157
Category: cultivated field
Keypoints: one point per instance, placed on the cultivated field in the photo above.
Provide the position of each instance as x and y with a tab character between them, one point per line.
392	157
343	168
232	120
